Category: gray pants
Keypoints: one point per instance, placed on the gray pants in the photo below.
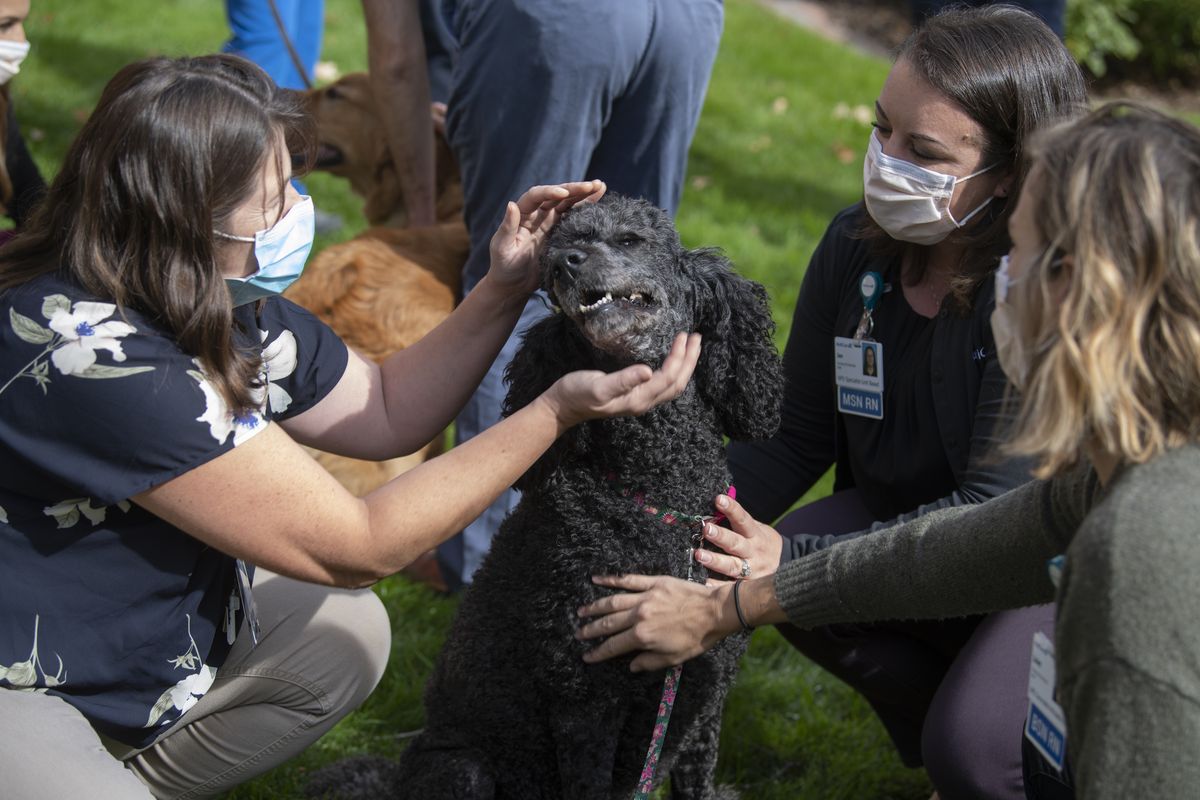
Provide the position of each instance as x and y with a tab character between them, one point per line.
321	653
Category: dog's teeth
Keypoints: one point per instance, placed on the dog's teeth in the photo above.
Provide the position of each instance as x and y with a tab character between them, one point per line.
606	299
636	296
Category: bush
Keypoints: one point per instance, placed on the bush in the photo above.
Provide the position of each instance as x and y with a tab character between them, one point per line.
1099	30
1154	40
1169	31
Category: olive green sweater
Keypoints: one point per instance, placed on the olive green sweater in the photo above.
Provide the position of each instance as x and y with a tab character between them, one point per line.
1128	620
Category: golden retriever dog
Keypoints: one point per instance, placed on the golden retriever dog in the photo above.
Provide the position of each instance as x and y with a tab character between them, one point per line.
353	146
390	285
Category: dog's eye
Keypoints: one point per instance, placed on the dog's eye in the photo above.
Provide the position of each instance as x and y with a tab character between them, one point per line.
333	93
629	240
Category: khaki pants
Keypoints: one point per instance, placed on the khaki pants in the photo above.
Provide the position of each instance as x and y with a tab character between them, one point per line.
321	653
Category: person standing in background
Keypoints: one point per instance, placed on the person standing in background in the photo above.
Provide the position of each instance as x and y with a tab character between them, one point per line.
533	99
284	38
257	34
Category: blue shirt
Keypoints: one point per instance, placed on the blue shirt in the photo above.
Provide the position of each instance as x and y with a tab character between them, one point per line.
104	604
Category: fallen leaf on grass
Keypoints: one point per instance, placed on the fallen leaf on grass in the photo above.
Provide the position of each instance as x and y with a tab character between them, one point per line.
760	144
326	71
844	153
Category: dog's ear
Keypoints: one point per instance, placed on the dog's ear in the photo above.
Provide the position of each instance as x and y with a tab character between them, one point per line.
739	370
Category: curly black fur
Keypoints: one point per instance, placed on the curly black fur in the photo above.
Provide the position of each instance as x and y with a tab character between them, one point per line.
512	709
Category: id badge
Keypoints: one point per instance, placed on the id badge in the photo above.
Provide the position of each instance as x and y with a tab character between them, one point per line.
246	598
858	372
1045	722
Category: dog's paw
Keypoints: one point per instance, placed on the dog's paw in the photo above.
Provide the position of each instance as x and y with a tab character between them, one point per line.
727	791
357	778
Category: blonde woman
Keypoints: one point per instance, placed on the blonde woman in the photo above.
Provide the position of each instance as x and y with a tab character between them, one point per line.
1098	323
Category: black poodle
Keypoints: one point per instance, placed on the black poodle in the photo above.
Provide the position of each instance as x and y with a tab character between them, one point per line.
512	709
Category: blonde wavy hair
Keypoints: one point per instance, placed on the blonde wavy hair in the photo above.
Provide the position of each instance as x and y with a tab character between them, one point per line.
1116	362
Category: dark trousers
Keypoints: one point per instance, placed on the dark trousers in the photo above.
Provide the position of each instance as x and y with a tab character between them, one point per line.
950	693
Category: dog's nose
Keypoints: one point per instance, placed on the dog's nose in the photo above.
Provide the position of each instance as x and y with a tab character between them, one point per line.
568	262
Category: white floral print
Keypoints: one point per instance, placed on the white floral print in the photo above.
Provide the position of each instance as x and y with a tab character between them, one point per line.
84	332
71	341
220	420
279	361
24	674
184	694
67	512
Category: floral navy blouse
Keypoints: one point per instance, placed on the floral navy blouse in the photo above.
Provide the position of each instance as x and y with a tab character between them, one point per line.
102	603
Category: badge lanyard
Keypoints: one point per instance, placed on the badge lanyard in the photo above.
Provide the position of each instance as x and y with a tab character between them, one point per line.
242	597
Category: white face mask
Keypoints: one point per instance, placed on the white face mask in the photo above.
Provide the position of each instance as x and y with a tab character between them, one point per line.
11	56
1009	349
911	203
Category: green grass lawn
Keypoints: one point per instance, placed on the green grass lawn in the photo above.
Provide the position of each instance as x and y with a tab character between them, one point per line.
777	153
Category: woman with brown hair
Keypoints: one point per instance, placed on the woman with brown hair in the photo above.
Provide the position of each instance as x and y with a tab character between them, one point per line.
906	275
154	391
1098	325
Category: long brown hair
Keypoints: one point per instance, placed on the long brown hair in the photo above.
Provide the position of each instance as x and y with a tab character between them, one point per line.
171	150
1116	362
1010	74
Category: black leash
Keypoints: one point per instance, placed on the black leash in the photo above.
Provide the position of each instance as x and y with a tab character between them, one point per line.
287	42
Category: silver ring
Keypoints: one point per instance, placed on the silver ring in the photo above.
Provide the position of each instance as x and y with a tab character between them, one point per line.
745	568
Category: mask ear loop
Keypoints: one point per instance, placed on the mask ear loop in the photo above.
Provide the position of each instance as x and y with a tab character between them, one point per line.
1049	263
978	208
967	218
231	237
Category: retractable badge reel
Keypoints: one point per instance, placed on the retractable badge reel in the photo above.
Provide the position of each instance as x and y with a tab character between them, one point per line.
871	286
858	360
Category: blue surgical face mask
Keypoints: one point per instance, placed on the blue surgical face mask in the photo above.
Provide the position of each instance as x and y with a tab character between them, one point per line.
281	251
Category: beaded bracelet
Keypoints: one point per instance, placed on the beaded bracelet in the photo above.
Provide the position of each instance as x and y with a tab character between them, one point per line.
737	606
